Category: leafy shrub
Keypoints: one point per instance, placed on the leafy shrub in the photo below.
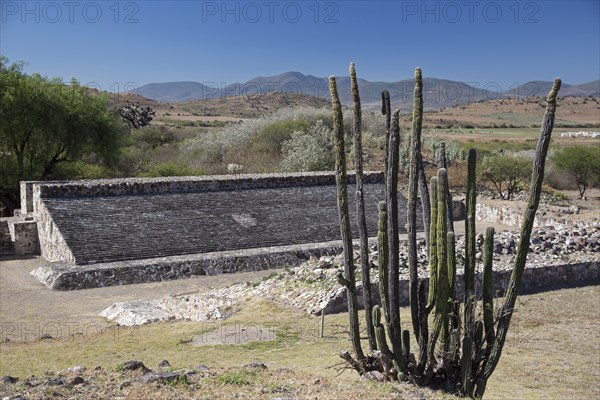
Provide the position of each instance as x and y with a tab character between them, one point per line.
272	136
261	140
154	136
171	169
507	173
309	151
581	163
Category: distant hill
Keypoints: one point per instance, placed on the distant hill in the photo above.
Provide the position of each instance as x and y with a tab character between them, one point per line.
438	93
174	91
250	106
541	88
590	88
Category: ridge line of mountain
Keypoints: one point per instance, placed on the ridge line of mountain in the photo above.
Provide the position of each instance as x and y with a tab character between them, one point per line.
438	93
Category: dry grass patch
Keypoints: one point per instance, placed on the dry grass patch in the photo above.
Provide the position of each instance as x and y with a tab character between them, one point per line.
552	352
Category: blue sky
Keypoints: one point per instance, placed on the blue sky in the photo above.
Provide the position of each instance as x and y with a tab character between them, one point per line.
113	43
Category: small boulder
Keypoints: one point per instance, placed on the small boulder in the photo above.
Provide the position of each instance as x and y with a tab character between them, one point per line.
78	369
124	385
202	368
256	365
134	365
160	377
76	380
8	379
164	364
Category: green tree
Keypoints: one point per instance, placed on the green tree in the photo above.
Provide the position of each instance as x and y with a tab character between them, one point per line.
506	173
582	163
45	123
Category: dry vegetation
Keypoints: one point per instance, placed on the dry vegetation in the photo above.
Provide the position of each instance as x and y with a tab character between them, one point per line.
551	353
516	113
235	108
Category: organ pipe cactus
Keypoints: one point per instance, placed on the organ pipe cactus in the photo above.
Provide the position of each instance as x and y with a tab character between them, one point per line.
348	277
413	178
360	208
458	355
393	242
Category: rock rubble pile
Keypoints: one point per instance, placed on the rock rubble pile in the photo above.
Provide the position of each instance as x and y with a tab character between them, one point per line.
313	287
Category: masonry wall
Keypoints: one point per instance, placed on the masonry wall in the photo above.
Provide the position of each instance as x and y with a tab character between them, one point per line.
536	278
137	186
53	244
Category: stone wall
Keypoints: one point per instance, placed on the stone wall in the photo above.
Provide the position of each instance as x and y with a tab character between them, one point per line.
7	246
313	288
52	245
509	216
18	236
90	222
26	192
62	276
137	186
536	278
25	237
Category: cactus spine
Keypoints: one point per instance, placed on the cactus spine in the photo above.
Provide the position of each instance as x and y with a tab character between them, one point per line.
348	278
360	208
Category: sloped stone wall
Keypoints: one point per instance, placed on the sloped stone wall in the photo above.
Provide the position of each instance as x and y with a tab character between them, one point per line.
107	220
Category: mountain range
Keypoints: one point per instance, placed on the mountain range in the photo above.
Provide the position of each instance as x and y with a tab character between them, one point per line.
438	93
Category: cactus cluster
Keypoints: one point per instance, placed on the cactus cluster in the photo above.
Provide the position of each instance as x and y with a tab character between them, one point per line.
463	347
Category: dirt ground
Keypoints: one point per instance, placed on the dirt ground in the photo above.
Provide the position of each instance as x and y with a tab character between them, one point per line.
28	309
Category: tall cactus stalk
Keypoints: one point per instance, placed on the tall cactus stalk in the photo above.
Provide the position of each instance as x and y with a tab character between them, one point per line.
360	209
432	244
443	282
441	318
413	177
466	365
443	163
382	345
469	274
348	278
393	240
382	260
488	285
386	109
461	366
537	177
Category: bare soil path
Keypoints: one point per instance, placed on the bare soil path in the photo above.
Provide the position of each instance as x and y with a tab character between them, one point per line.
28	309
